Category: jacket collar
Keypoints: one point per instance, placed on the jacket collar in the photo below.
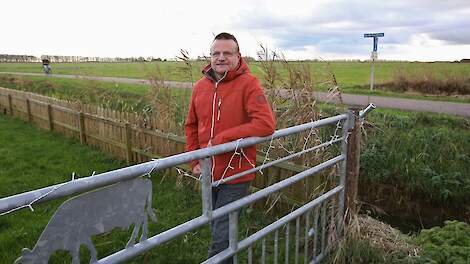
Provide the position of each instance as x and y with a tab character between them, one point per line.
232	74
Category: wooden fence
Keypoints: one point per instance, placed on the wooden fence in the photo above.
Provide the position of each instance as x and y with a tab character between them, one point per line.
127	136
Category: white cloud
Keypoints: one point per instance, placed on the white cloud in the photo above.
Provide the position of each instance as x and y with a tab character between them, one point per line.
300	28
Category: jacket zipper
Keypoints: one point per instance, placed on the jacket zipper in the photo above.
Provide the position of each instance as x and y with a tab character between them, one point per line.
214	105
213	117
218	109
213	112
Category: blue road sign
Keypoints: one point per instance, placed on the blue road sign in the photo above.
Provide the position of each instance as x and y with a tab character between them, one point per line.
372	35
376	37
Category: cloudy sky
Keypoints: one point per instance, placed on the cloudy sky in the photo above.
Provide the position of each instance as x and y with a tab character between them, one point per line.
423	30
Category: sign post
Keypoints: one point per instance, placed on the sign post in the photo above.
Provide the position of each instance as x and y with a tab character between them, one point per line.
374	54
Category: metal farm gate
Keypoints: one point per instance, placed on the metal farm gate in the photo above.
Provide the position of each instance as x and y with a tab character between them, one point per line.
122	198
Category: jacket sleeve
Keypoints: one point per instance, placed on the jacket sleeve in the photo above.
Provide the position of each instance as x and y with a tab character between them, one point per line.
261	118
191	128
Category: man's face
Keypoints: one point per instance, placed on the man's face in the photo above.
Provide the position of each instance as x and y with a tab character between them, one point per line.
224	55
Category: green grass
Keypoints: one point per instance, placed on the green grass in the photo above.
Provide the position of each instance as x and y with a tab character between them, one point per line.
372	241
426	154
423	155
175	71
32	158
362	90
35	159
357	73
353	77
447	244
123	97
47	85
69	87
347	73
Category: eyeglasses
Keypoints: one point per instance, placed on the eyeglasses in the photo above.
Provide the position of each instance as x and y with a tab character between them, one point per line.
226	54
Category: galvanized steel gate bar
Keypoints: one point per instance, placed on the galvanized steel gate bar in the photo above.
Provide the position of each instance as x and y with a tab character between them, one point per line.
319	204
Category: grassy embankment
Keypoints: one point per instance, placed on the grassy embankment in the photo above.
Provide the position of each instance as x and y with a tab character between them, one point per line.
353	77
416	166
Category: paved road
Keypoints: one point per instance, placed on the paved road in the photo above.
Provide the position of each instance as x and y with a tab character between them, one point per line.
460	109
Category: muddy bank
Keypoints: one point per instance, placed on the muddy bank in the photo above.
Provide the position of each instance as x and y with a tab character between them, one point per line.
409	212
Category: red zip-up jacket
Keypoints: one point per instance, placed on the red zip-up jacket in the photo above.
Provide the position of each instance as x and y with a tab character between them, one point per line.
234	107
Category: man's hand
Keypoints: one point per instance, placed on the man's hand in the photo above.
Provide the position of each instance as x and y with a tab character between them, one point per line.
197	169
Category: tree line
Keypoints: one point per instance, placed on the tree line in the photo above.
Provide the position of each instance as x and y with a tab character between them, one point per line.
59	59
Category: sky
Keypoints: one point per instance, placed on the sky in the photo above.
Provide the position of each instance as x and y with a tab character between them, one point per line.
415	30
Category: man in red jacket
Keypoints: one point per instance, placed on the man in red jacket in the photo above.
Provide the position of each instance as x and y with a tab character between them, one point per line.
227	104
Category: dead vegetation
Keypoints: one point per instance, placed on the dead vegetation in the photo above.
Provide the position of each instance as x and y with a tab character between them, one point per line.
367	240
293	100
428	82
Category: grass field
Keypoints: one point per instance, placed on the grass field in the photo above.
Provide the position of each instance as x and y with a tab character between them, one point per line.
348	74
32	159
34	83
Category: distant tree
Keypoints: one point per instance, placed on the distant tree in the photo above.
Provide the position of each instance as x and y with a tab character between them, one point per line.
249	59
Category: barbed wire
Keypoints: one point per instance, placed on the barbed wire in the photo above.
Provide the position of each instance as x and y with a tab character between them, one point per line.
306	139
149	173
237	152
284	148
266	157
55	188
184	173
334	137
30	205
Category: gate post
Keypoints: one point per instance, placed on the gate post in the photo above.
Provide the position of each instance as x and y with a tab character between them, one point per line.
352	164
349	168
342	171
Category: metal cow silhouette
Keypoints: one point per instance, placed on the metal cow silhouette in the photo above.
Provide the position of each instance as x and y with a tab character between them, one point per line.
79	218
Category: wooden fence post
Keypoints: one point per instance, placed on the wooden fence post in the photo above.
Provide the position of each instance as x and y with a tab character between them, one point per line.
352	164
49	117
128	143
10	104
28	110
81	127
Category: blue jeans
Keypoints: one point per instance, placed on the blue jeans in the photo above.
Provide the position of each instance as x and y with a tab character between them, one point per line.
222	195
